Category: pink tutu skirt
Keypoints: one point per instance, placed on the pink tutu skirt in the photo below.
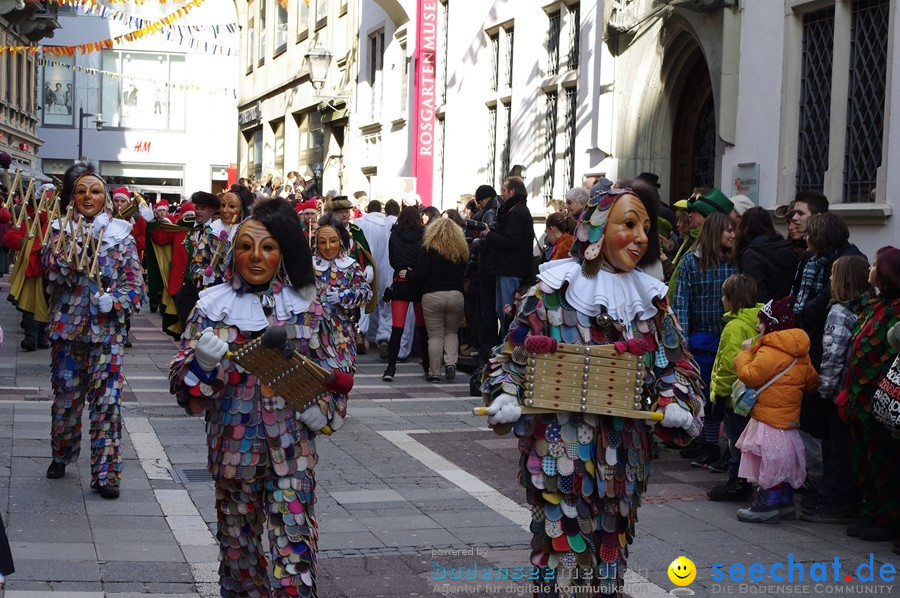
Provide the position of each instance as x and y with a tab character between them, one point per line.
770	456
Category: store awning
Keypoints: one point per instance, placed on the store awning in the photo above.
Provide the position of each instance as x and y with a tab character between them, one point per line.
28	173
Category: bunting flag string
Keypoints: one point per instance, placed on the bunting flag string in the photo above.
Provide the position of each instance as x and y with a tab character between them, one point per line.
154	28
156	82
100	10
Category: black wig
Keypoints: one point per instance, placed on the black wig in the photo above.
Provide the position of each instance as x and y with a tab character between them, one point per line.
329	219
71	176
281	221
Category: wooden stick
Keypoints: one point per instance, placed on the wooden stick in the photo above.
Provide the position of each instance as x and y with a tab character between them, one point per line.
52	216
95	264
76	237
35	224
11	195
63	230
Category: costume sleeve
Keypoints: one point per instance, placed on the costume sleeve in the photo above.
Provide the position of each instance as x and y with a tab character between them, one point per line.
676	376
194	391
836	345
319	341
723	373
128	291
359	292
56	264
683	292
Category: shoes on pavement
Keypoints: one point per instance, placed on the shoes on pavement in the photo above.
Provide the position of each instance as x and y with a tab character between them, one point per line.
56	470
764	508
807	487
812	500
388	375
361	347
430	378
878	533
28	344
711	454
854	529
383	350
128	342
721	466
693	450
826	513
732	490
109	491
450	372
42	344
787	509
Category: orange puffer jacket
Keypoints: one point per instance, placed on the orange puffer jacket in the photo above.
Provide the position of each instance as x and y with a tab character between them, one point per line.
779	405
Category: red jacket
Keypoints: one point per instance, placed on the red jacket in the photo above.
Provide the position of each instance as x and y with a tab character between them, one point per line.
15	239
139	232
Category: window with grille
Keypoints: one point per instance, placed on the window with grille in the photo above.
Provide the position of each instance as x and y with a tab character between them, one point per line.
574	34
815	99
495	61
553	43
865	98
569	150
509	56
549	145
492	142
444	42
507	140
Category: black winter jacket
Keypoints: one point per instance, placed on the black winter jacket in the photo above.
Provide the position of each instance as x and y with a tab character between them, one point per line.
403	254
771	262
511	244
435	273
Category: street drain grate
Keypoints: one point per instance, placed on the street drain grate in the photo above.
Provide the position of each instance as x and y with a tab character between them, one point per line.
190	476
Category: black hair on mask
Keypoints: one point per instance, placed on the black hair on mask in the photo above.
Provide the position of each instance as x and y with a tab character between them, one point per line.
71	176
329	219
281	221
246	197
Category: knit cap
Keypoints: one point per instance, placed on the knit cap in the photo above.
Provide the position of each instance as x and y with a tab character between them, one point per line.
778	314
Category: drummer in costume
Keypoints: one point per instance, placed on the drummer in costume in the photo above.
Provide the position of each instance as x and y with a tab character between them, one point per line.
584	474
87	326
262	451
341	286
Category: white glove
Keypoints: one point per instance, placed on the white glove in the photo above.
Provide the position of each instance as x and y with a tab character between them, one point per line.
104	302
369	273
504	409
314	419
146	212
676	416
209	350
333	296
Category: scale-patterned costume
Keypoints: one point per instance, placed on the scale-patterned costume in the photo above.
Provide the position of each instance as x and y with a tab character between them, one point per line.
873	448
87	345
261	456
202	245
344	275
584	474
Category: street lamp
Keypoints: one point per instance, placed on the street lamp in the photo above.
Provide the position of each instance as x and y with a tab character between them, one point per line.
319	60
81	116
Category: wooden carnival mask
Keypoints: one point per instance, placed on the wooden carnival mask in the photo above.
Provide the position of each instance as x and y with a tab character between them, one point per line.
626	234
328	242
257	255
231	210
89	196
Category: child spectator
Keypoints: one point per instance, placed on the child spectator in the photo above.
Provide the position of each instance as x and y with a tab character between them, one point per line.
771	449
741	309
834	501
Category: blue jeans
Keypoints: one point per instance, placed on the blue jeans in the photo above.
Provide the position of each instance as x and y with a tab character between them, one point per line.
506	295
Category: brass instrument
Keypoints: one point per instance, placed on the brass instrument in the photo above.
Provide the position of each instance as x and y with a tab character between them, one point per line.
133	206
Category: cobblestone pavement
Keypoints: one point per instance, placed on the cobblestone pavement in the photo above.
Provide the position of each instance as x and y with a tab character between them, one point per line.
412	488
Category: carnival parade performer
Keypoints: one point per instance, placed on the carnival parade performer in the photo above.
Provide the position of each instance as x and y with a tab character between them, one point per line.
262	452
584	474
87	325
341	285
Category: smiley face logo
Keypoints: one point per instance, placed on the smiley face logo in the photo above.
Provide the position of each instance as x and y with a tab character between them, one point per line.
682	571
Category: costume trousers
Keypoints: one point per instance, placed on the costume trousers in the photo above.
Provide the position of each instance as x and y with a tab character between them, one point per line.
88	373
283	506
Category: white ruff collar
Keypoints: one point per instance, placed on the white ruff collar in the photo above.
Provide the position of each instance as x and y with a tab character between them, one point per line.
116	228
627	296
222	303
338	263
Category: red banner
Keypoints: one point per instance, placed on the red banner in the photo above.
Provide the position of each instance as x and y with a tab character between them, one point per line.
424	99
